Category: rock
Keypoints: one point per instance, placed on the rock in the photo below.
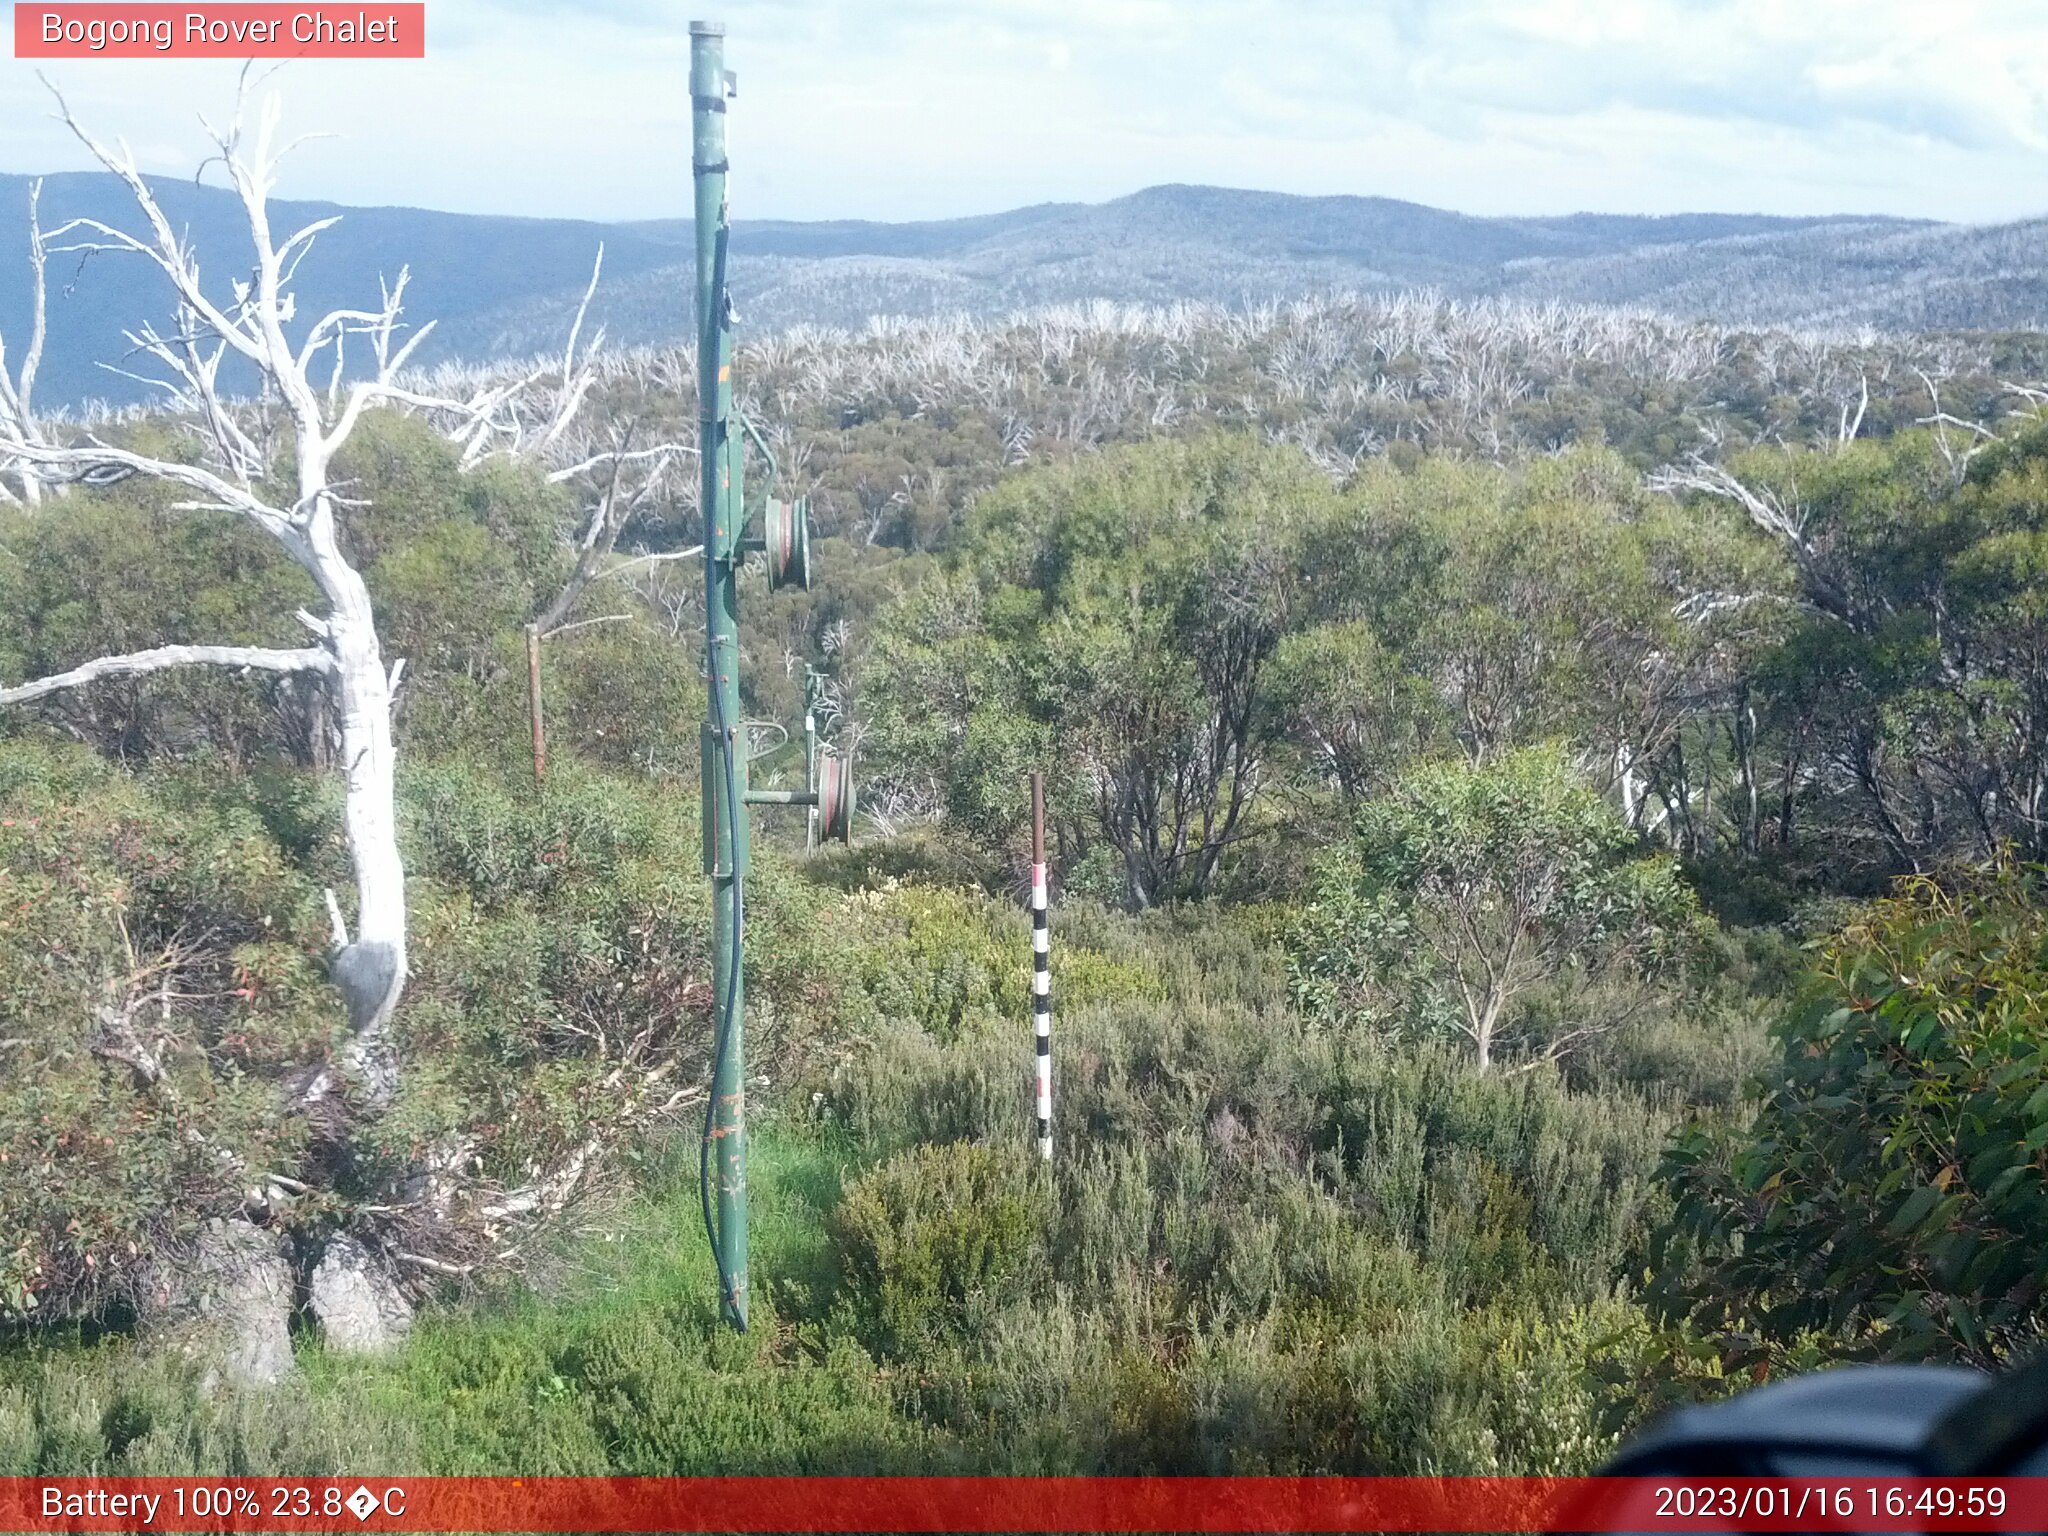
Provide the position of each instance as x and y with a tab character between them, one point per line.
226	1299
357	1300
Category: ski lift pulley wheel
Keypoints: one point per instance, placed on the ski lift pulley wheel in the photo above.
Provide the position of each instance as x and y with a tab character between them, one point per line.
787	537
835	797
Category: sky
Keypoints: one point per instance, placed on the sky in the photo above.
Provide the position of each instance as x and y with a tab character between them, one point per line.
908	109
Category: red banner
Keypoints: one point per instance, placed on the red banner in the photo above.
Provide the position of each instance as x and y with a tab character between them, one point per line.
1003	1504
97	29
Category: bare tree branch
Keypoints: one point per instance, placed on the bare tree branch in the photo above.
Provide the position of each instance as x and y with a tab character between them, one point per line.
638	455
1958	462
95	463
695	551
166	657
615	509
609	618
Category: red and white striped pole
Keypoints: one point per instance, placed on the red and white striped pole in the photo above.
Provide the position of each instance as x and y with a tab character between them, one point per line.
1041	967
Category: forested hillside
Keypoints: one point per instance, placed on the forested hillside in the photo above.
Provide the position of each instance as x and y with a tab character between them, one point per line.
1887	273
504	288
1539	796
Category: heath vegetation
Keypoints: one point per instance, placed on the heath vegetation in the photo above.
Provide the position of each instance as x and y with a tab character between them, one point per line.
1544	805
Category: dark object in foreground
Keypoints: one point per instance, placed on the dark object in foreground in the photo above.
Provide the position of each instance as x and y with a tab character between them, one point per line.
1899	1420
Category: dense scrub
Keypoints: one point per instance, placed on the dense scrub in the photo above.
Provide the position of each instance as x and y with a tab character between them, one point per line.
167	1003
1323	749
1262	1247
1807	672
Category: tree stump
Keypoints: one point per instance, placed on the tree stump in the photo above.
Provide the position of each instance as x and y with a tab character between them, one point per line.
225	1299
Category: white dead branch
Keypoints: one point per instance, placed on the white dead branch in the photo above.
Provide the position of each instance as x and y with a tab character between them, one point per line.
247	658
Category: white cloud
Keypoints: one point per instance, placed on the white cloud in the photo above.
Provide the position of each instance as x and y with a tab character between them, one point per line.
923	108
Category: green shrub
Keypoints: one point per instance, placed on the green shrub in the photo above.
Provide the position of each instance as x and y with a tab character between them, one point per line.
933	1234
1890	1190
957	963
1514	1187
162	985
156	983
1469	892
111	1411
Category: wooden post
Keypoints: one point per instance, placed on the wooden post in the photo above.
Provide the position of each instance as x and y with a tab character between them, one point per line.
1041	967
540	734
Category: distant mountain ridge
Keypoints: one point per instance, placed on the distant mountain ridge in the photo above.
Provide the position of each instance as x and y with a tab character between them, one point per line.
506	286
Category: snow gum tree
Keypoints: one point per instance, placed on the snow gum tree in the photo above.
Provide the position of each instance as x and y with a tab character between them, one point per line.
258	403
269	458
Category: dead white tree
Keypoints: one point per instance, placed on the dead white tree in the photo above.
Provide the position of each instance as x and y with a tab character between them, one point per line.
251	329
1957	459
17	394
1782	517
623	495
1846	430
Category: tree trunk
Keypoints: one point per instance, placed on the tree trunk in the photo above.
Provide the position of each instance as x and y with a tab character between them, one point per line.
1703	836
1483	1026
1788	796
1631	785
540	735
1751	838
370	971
